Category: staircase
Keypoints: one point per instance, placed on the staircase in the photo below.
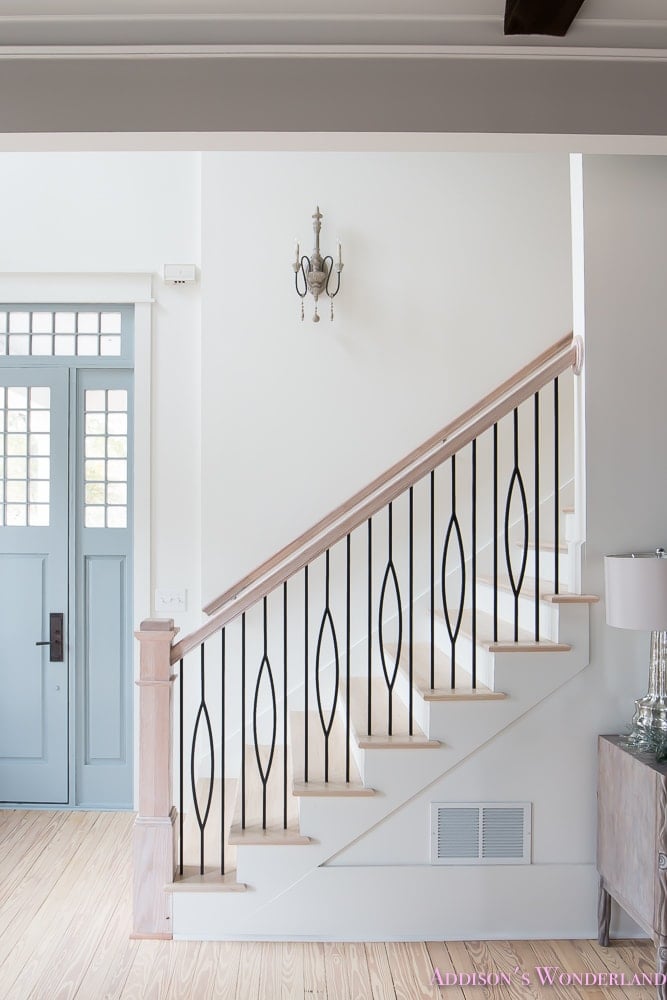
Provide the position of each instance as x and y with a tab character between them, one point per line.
356	670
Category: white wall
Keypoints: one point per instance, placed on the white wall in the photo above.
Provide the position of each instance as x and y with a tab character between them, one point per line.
125	212
549	757
454	264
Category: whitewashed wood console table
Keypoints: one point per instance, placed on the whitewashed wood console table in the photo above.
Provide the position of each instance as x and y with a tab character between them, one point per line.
632	842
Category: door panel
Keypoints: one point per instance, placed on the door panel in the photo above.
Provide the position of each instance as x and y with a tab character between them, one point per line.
34	408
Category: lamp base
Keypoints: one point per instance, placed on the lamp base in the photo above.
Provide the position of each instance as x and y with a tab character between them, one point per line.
651	713
651	710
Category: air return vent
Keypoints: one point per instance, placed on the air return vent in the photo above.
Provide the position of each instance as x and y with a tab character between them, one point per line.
480	833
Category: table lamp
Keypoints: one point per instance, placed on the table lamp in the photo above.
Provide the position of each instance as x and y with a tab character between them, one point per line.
636	590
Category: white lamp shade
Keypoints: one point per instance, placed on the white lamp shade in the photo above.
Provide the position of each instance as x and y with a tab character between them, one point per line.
636	591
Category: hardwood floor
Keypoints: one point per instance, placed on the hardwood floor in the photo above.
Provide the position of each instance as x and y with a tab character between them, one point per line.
64	933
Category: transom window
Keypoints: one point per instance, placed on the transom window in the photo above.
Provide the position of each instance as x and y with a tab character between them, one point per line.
105	458
67	332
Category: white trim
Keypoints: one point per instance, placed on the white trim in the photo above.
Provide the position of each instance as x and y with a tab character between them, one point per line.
134	289
346	51
324	142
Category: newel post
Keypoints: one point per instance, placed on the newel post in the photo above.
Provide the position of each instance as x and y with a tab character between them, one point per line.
154	839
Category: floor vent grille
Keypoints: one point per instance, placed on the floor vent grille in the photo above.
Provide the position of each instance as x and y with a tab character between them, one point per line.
480	833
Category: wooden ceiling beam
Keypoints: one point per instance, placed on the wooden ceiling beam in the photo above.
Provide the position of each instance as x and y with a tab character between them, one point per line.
540	17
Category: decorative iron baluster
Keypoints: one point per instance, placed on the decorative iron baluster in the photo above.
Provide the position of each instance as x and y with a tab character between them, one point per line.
180	770
202	712
305	680
222	754
453	526
474	562
370	619
556	488
265	665
410	610
432	579
243	721
347	663
390	572
516	480
537	514
495	532
285	705
326	619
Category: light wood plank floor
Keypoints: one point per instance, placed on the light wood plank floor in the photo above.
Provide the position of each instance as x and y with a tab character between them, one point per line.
65	921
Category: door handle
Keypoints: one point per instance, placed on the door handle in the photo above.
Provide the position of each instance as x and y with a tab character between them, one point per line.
56	654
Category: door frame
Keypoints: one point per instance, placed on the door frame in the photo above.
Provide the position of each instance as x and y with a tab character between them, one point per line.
123	289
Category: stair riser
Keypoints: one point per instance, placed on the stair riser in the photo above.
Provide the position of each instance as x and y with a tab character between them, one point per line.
548	612
464	648
547	565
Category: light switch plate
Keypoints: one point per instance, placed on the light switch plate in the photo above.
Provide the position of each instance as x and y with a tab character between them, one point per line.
171	600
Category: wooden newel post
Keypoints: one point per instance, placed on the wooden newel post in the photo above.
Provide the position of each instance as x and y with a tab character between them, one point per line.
154	839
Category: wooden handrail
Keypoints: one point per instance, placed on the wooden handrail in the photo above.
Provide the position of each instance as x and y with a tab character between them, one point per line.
335	526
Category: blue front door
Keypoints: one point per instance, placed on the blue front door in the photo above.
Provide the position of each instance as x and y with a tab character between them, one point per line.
66	434
34	532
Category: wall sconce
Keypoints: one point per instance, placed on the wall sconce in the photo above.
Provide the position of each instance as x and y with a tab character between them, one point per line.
316	271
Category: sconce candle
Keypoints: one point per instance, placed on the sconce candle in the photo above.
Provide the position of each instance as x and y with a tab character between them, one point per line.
315	271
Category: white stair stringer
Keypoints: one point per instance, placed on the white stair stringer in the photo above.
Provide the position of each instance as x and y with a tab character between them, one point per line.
276	875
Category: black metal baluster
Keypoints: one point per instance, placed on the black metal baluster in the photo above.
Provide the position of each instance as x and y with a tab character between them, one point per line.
222	754
305	684
265	670
327	619
202	713
180	773
516	479
390	573
410	609
285	705
495	532
537	515
370	619
556	488
347	667
243	721
432	579
453	526
474	563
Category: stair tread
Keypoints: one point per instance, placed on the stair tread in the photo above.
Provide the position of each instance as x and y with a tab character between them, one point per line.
505	642
275	831
316	784
545	546
380	738
192	880
546	596
421	678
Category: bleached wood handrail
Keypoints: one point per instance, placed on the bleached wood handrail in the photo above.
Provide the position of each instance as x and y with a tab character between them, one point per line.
562	355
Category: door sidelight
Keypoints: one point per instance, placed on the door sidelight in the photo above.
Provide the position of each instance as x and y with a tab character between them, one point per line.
56	637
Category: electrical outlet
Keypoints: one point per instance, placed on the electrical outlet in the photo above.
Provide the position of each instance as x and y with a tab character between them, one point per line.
172	601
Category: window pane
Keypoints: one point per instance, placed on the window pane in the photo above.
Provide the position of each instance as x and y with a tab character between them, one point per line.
42	322
117	517
88	322
17	398
42	345
94	517
65	346
39	515
87	346
110	322
110	346
19	322
65	322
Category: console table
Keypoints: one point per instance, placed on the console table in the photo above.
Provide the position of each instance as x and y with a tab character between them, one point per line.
632	842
